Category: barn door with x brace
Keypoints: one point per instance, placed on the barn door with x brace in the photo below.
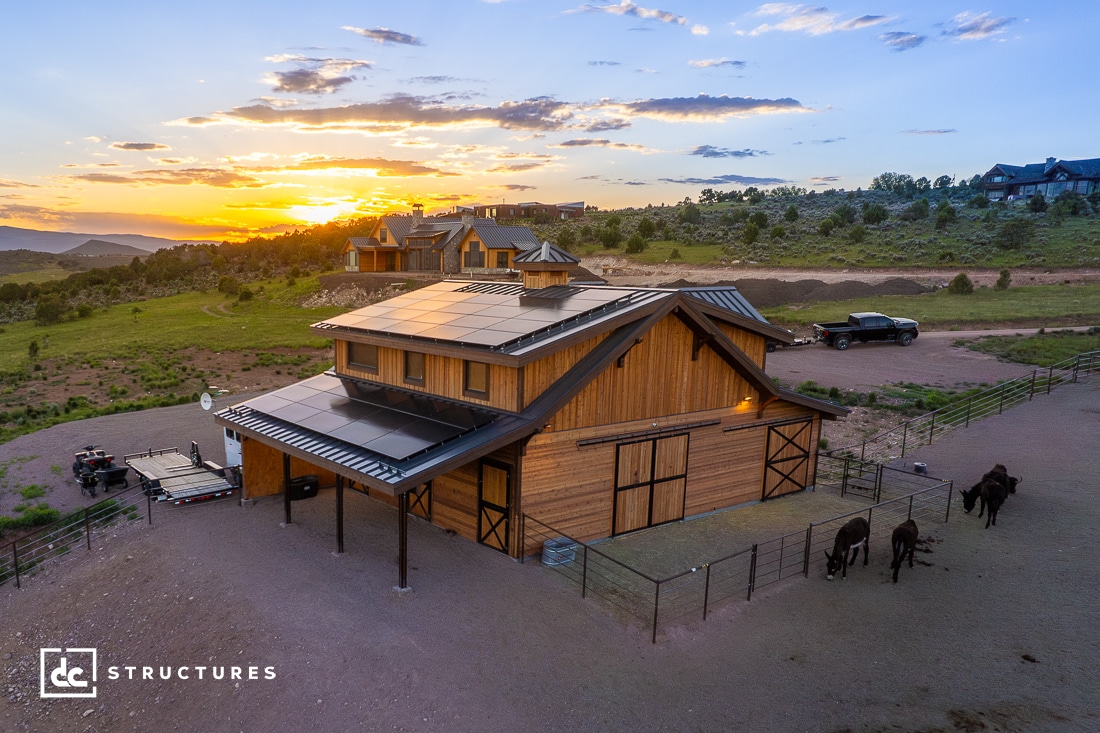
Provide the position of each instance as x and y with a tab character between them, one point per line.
494	484
787	462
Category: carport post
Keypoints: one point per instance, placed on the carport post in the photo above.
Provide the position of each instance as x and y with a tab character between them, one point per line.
286	486
403	541
339	514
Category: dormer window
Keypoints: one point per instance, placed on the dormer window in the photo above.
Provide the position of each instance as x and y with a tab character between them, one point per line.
383	236
414	367
476	379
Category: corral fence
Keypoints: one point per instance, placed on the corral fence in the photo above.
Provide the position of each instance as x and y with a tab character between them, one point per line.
693	591
932	426
74	534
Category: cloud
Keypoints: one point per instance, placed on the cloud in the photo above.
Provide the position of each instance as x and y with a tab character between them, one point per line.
699	30
704	108
385	35
941	131
969	27
401	112
900	41
815	21
516	167
709	151
635	183
729	178
823	180
709	63
216	177
604	63
314	76
515	187
8	183
601	142
139	146
381	166
826	141
625	7
607	125
434	79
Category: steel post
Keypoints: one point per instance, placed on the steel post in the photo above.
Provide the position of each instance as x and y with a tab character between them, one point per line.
15	562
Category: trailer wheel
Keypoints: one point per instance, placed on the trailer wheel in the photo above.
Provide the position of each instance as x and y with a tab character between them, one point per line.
905	338
842	342
769	347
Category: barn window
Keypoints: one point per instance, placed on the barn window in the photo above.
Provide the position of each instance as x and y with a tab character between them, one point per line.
476	379
382	235
414	367
363	356
502	260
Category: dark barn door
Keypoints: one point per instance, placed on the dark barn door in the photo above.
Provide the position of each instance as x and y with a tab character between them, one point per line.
650	482
787	462
494	483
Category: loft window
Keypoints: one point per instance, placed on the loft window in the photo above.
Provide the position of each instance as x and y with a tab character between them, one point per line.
382	234
363	356
414	367
475	255
477	379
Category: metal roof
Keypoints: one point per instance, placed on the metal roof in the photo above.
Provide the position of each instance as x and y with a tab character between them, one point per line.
495	236
726	297
547	253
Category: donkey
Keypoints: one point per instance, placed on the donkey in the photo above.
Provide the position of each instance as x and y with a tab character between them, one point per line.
848	538
1000	473
904	541
992	494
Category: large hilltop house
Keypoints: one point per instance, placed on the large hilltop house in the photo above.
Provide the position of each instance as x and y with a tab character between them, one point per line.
595	410
527	210
1006	182
445	245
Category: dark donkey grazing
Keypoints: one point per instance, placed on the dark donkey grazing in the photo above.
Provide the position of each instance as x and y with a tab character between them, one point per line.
992	491
849	537
904	541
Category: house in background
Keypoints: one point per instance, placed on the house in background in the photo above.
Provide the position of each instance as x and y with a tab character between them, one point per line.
530	210
440	245
1003	182
594	410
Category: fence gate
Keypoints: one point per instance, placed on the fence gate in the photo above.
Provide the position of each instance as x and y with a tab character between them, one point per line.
787	459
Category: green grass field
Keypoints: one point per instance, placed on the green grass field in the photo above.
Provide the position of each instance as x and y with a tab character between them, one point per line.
1037	306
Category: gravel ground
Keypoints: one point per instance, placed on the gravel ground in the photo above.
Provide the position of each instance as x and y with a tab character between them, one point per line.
995	630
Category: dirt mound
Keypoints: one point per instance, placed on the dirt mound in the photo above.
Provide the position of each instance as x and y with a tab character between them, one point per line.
768	293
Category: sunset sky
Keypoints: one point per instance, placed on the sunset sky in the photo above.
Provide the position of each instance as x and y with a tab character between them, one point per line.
224	120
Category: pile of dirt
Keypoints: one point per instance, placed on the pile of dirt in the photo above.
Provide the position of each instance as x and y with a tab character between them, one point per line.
770	292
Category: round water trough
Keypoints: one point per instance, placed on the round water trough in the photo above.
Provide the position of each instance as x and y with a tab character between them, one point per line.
558	551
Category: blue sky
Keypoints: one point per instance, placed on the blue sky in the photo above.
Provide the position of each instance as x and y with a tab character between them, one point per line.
230	119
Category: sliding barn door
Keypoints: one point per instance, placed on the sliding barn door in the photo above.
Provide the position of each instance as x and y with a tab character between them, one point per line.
787	461
650	482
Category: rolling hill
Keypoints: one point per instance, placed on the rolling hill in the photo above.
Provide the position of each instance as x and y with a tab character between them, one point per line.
57	242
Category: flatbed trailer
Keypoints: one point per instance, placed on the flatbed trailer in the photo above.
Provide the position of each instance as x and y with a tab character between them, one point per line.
170	476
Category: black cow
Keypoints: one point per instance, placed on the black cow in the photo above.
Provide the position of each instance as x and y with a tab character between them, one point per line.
853	534
903	541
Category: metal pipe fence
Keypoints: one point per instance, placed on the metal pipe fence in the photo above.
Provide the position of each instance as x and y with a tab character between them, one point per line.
932	426
73	534
694	591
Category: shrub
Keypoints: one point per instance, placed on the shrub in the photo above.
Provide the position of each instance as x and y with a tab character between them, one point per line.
826	227
646	227
750	233
915	211
1003	281
636	244
759	218
844	215
978	201
1014	233
945	215
791	214
674	254
856	234
874	214
961	285
689	214
1037	204
778	232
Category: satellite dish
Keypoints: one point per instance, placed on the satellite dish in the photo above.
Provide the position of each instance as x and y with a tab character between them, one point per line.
206	401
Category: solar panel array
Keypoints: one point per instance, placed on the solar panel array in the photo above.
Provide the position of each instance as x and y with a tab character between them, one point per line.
389	422
482	314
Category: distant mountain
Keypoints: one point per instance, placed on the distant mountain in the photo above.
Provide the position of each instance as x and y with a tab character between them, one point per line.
57	242
98	248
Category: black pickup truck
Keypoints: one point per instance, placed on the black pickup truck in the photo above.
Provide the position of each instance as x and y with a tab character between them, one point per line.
866	327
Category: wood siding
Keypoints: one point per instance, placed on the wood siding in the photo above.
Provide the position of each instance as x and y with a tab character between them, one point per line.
544	278
443	376
753	344
540	375
658	378
571	487
262	470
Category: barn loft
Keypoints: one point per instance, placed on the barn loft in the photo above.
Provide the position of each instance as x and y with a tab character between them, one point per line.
596	410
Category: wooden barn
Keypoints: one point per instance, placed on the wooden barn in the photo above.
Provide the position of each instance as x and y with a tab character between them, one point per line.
596	410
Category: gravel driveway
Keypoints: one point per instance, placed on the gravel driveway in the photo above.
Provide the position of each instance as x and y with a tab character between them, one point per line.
996	632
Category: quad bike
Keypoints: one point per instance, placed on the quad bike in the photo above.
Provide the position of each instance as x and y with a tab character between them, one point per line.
93	467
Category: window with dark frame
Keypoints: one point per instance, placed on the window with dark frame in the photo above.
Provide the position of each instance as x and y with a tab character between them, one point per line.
414	367
475	256
502	260
363	356
382	236
476	379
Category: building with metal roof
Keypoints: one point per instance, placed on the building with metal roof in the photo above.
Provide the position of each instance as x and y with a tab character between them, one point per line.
594	410
1049	178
